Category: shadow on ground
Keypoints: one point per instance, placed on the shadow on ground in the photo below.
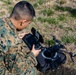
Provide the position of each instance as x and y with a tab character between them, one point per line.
68	9
61	71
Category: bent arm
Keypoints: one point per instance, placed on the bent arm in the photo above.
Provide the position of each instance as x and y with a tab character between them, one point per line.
25	65
21	65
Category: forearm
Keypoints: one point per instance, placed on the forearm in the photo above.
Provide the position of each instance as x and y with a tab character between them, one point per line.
30	58
2	65
25	64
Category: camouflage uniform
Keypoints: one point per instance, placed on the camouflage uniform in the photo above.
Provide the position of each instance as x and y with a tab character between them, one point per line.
13	57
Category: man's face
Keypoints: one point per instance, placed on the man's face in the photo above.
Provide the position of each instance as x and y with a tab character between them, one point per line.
23	24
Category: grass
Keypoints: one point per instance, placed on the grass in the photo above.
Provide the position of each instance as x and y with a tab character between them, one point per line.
62	17
61	1
51	42
75	29
60	26
71	11
2	13
48	20
10	9
35	5
52	20
60	8
42	19
8	2
68	39
39	2
66	28
47	12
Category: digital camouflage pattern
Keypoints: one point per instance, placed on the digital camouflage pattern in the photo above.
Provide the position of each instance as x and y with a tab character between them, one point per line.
13	57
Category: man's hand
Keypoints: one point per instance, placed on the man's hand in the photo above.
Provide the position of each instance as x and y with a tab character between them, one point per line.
34	51
21	35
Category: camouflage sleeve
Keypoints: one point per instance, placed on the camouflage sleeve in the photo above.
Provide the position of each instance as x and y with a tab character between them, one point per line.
14	61
21	66
32	59
2	68
25	65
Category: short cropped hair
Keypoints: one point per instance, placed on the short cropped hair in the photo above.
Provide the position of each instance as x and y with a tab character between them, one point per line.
22	10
